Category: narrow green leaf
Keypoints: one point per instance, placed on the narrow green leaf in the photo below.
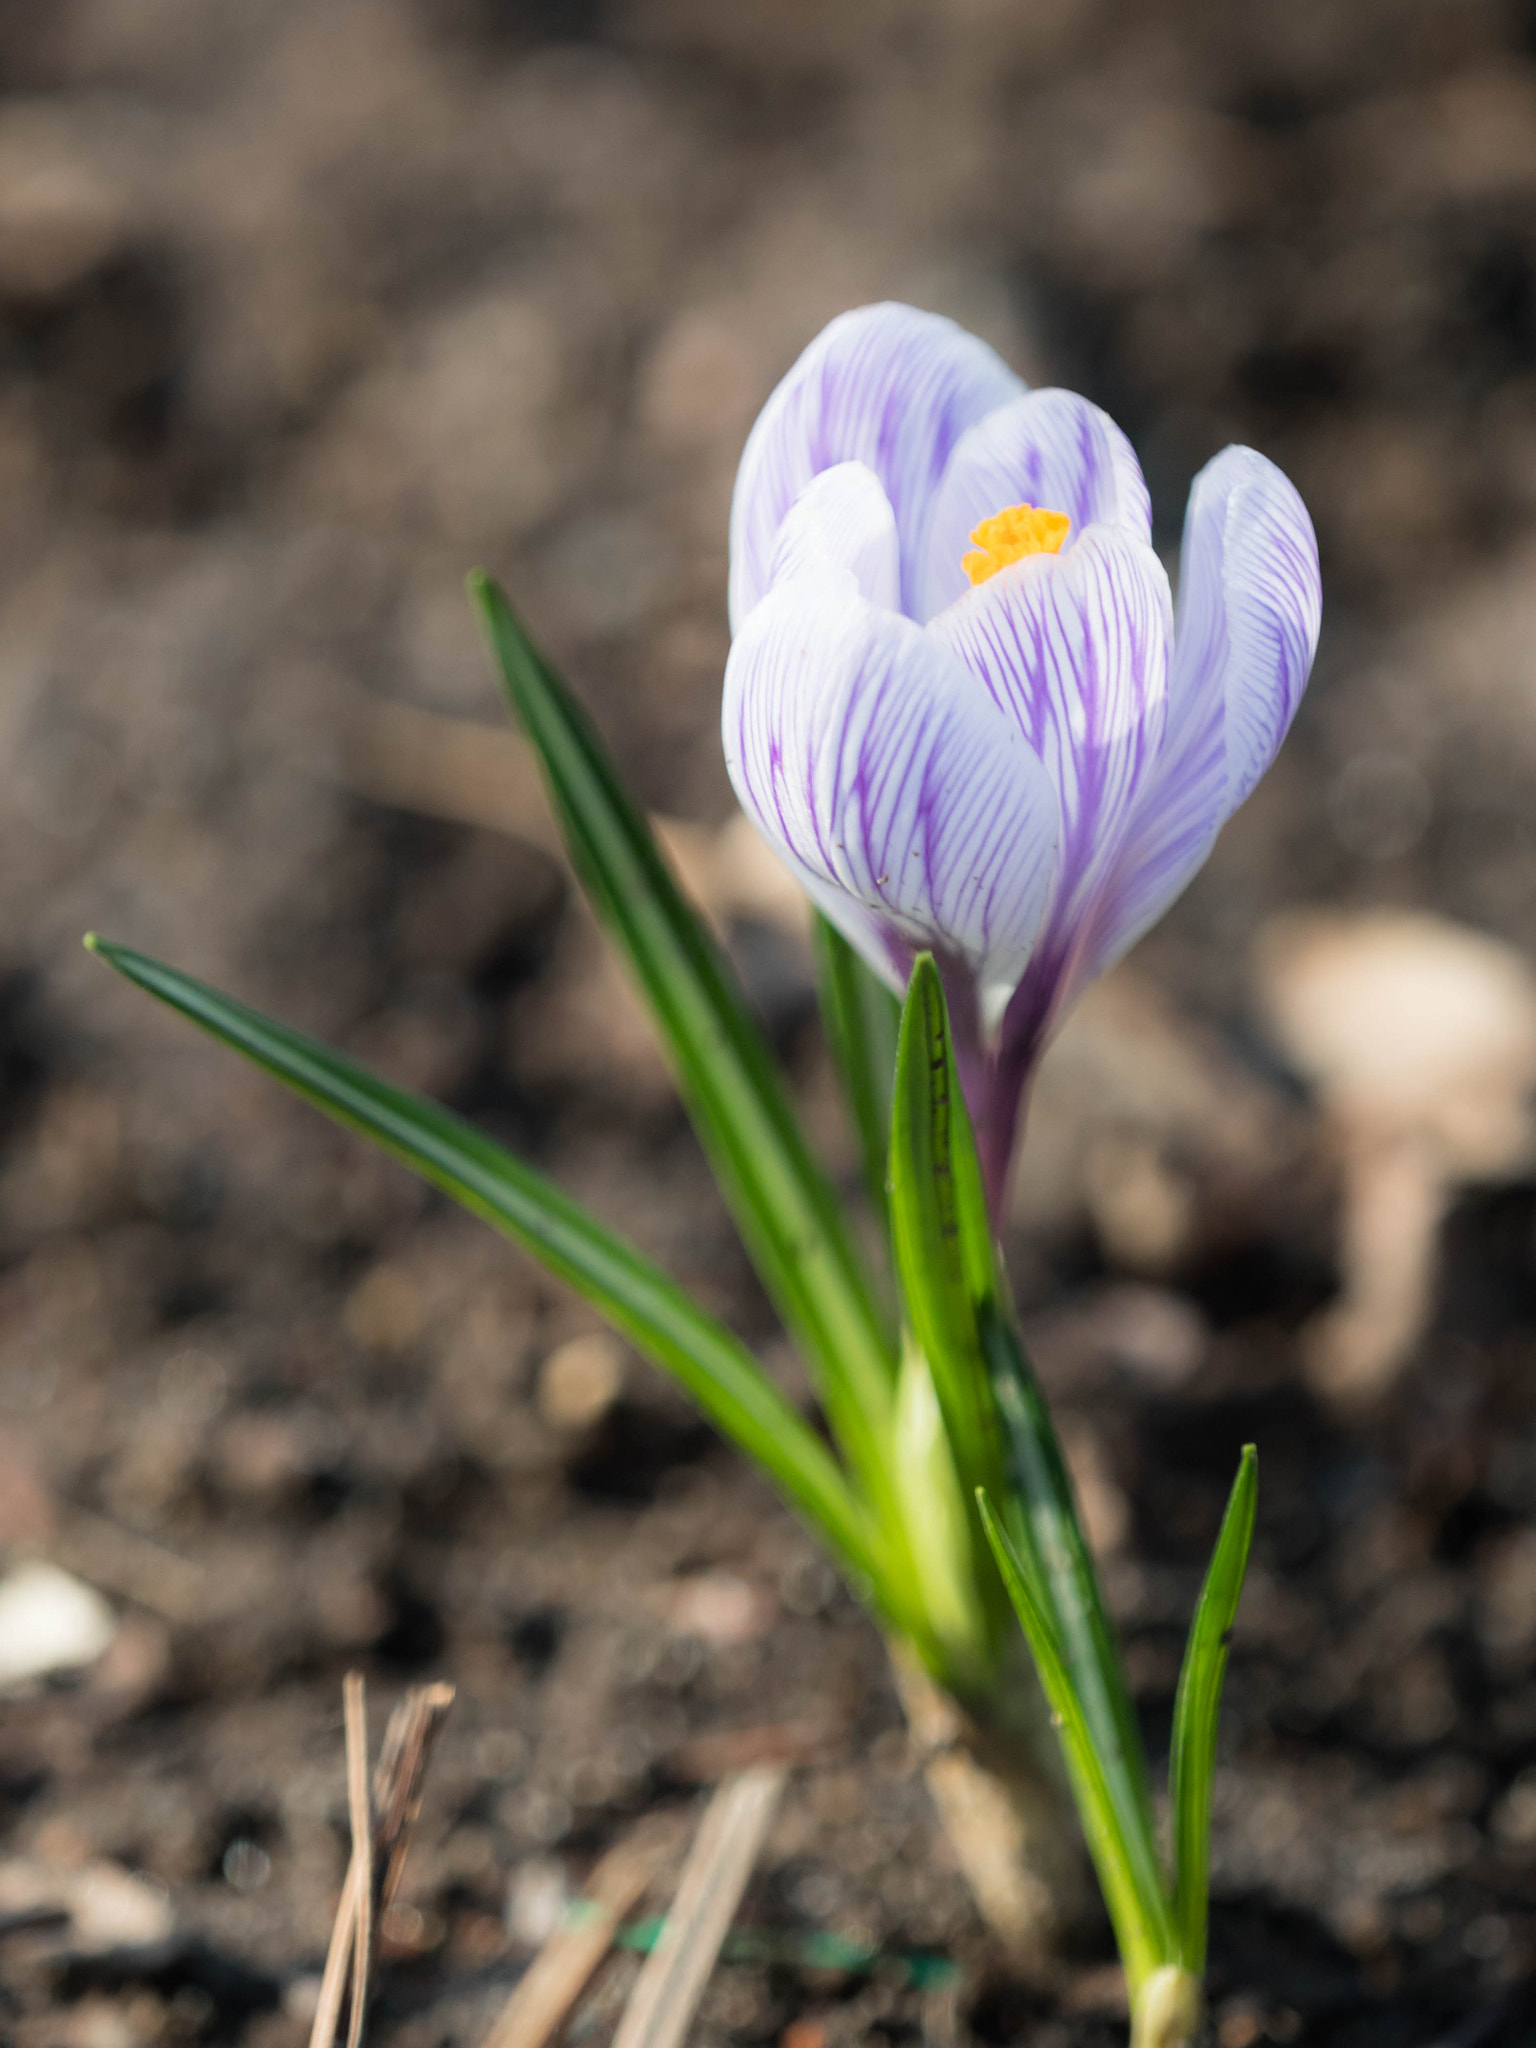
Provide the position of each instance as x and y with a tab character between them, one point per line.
862	1019
637	1297
782	1200
941	1234
1050	1534
1197	1709
1142	1936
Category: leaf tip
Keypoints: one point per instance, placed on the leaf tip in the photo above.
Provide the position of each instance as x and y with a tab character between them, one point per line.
92	942
992	1527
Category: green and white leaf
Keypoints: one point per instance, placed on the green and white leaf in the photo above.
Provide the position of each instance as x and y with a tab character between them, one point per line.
783	1201
636	1296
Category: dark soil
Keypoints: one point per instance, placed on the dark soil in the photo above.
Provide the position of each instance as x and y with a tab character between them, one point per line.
307	306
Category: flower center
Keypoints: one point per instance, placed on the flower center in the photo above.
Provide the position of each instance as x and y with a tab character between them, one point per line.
1010	535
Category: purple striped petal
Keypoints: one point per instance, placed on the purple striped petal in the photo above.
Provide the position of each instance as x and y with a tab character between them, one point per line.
1075	648
1249	604
1248	530
887	386
1047	448
909	805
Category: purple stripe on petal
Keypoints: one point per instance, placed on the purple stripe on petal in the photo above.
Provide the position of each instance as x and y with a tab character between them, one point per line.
1273	596
909	804
1249	606
1075	648
887	386
1047	448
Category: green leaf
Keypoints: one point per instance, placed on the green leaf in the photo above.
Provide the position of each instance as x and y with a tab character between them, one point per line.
959	1596
1054	1554
862	1019
1197	1709
782	1200
1142	1935
941	1234
636	1296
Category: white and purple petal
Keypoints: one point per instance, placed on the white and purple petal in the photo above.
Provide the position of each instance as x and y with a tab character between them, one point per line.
1074	647
1250	600
911	806
1248	532
885	385
1048	448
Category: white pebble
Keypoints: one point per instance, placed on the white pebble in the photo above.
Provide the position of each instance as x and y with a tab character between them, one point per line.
49	1622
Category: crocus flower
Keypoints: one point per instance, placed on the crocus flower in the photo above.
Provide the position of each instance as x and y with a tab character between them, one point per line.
957	702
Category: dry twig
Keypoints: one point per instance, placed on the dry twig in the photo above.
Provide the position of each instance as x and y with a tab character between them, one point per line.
354	1700
559	1973
668	1990
381	1830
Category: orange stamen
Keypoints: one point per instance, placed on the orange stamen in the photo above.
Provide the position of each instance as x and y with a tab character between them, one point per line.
1010	535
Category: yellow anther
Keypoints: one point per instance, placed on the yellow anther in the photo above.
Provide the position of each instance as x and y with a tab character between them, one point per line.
1011	535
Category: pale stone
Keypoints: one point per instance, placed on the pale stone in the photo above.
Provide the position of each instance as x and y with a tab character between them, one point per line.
49	1622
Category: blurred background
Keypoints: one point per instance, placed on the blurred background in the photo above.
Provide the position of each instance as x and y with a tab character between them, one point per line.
307	307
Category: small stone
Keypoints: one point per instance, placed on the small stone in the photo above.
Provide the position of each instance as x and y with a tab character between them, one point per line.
1239	2027
49	1622
580	1382
114	1909
61	1843
1143	1206
108	1907
1409	1024
262	1454
247	1867
101	2022
1420	1038
537	1899
405	1930
385	1311
60	218
1151	1333
718	1607
135	1664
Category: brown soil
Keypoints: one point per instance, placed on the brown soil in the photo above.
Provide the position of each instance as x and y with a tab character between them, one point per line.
306	307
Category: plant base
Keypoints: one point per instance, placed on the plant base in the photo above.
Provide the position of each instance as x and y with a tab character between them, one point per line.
1167	2010
1007	1815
